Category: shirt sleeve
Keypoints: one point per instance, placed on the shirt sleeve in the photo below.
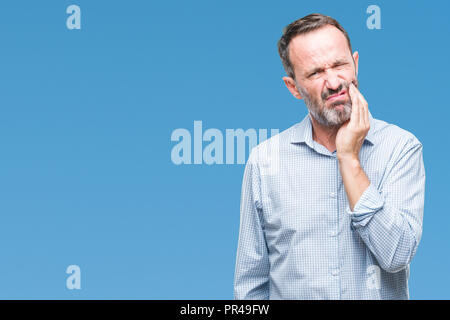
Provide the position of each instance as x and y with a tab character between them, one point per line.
389	219
251	280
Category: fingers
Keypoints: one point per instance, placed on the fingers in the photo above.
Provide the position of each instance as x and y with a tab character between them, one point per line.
365	111
362	121
360	110
354	118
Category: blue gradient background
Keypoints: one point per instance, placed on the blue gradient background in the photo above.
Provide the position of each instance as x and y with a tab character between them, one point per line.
86	117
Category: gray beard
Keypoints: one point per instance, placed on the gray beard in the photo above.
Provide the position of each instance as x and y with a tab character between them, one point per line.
327	116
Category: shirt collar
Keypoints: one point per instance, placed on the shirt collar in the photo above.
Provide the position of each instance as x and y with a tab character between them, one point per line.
303	132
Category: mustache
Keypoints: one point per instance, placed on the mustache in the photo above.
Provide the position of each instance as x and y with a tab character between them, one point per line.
343	85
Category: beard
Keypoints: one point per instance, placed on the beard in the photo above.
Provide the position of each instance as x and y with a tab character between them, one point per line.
336	113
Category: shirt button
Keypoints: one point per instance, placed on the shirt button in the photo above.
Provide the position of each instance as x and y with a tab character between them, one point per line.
333	194
335	272
333	233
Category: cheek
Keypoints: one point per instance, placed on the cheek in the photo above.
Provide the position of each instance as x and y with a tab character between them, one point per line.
319	92
350	74
316	92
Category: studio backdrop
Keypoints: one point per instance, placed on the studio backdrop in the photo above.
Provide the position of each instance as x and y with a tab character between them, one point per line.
125	127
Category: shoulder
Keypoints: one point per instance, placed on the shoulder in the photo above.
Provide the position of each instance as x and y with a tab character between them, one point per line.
266	156
269	149
389	134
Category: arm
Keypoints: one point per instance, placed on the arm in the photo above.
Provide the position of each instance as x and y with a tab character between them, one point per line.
389	220
251	280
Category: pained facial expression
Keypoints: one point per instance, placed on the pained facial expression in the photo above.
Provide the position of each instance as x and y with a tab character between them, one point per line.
324	69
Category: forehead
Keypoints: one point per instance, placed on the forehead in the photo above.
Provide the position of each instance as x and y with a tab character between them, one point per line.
318	48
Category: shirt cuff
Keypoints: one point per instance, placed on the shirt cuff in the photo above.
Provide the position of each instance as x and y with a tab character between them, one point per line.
368	204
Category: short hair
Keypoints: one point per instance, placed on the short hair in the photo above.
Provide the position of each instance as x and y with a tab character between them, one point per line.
304	25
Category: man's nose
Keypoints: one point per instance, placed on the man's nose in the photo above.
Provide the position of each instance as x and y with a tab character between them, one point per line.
332	80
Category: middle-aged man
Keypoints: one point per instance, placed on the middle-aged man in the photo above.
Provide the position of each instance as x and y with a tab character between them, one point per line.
332	207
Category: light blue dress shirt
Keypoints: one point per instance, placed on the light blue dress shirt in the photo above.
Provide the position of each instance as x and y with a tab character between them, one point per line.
298	238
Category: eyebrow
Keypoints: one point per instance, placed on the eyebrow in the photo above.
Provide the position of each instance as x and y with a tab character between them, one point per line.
319	69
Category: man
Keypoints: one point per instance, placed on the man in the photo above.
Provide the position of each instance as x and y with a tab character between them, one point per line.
332	207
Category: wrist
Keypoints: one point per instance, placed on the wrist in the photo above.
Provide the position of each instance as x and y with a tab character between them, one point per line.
350	159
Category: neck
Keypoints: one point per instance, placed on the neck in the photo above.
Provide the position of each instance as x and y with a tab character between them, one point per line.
324	135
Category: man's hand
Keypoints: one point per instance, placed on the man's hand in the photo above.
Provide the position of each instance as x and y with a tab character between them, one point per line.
349	140
350	136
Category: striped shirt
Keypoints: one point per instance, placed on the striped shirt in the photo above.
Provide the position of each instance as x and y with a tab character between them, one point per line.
298	237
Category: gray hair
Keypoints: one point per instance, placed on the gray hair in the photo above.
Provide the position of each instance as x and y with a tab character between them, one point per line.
301	26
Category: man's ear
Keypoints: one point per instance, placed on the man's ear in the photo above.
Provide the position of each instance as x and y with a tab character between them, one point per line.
355	59
290	84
